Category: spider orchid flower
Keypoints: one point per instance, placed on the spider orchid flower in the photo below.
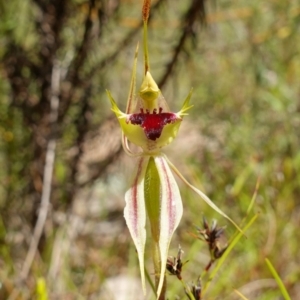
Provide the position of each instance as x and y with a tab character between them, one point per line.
149	124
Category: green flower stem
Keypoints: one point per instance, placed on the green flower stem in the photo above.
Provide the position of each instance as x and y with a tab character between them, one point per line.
152	200
282	288
157	267
146	13
188	290
146	55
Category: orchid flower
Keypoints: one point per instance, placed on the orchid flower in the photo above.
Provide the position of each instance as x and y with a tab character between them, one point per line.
149	124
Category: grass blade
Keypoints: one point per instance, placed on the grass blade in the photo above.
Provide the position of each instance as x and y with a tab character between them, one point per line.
278	280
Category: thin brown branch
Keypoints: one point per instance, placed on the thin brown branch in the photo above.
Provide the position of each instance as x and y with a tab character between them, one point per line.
82	51
110	58
85	82
48	171
82	127
195	13
102	167
49	27
73	75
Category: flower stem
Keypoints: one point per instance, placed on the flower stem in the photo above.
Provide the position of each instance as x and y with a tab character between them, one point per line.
157	268
146	13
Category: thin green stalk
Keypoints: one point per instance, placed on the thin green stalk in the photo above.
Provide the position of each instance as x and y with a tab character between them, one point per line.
146	13
188	290
241	295
254	196
252	202
157	268
282	288
150	281
146	54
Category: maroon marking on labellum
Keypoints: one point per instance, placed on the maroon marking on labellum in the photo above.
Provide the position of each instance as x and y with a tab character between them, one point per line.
154	123
170	207
135	204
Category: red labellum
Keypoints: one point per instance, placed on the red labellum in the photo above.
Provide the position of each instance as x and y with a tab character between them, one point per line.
154	123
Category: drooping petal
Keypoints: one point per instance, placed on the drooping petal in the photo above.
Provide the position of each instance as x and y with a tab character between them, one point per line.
202	195
171	212
135	213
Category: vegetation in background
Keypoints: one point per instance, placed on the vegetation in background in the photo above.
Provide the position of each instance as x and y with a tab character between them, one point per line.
242	60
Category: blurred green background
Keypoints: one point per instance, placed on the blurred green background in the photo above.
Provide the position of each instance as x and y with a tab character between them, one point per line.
242	59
